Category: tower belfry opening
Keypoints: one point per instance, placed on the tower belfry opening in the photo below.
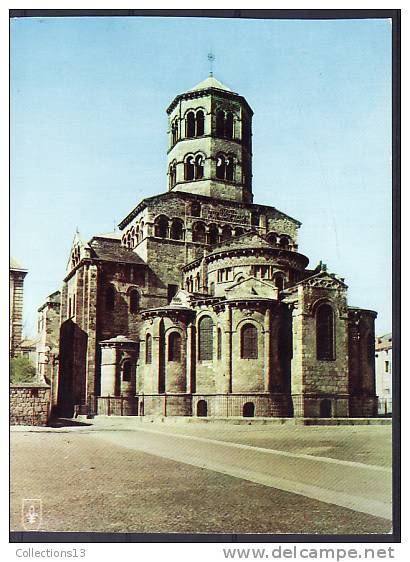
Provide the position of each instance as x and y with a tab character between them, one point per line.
214	124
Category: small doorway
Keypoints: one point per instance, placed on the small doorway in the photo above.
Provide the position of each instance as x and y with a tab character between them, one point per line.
249	410
326	408
202	409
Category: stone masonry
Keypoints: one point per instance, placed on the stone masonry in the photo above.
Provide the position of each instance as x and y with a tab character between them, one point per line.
202	305
29	404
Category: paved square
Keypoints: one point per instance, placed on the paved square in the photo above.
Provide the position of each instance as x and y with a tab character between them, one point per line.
122	475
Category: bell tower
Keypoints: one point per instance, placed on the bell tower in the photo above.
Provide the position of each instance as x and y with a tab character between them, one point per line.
210	143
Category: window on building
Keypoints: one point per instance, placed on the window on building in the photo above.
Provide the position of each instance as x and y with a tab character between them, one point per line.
283	241
174	347
198	232
325	333
195	209
190	124
254	219
161	227
226	232
213	234
134	300
386	366
279	281
172	291
220	166
148	349
219	344
220	123
272	238
177	229
110	298
202	409
199	123
174	132
249	342
172	175
229	126
239	231
199	167
212	288
189	168
249	410
206	338
126	371
229	168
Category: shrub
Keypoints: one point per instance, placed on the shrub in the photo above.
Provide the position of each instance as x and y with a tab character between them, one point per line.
22	370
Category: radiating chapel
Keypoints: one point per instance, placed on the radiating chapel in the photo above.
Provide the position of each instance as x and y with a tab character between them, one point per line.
202	304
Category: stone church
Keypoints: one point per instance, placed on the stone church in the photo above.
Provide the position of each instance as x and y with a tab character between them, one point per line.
202	304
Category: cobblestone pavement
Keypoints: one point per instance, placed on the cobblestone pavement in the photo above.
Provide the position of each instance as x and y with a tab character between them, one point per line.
124	476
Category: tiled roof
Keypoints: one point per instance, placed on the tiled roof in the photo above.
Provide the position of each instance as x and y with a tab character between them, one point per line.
210	82
111	250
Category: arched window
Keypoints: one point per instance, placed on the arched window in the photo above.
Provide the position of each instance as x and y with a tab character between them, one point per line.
229	126
229	168
190	124
212	288
254	219
226	232
325	333
126	371
197	282
199	123
219	344
249	342
249	410
213	234
206	339
174	131
239	231
272	238
225	167
199	167
220	166
148	349
177	229
279	281
134	299
161	227
202	409
189	168
220	123
283	241
174	347
198	232
172	175
195	209
110	298
325	408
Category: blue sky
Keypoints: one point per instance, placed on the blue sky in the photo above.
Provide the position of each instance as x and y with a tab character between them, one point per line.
88	133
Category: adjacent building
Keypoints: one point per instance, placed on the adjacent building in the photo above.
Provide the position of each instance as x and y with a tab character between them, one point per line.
384	379
17	275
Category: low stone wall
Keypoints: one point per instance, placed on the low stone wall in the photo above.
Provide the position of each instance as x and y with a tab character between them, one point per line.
29	404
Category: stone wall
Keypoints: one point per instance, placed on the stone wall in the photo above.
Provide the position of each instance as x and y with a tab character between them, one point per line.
29	404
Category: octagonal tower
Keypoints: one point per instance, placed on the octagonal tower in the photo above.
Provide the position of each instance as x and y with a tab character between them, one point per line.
210	143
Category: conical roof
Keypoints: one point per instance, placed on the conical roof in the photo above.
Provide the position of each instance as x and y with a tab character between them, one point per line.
210	82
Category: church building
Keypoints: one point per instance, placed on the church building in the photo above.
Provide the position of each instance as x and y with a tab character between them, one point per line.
202	304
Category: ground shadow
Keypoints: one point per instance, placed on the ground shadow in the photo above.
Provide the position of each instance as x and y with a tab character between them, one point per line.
65	422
